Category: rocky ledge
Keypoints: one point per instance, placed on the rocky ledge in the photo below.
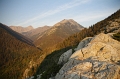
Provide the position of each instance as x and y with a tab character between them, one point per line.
95	58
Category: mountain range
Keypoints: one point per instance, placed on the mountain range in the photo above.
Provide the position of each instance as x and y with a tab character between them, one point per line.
20	29
46	36
19	48
41	53
57	33
34	33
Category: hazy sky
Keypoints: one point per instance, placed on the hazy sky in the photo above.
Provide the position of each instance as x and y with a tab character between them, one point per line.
48	12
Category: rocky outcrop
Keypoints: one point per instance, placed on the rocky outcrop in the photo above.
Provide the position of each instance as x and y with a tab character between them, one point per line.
84	42
98	59
30	68
89	68
113	26
64	57
102	46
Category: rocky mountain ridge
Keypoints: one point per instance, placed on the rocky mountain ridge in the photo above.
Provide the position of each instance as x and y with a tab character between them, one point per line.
68	22
20	29
34	33
57	33
97	59
17	35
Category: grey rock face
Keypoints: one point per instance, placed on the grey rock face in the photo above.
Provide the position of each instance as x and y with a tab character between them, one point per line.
100	59
90	68
64	57
84	43
101	46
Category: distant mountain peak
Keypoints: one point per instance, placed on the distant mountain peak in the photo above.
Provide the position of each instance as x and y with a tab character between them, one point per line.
57	33
68	22
30	27
21	29
65	21
46	26
34	33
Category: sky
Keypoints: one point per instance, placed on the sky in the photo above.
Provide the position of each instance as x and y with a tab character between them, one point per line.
38	13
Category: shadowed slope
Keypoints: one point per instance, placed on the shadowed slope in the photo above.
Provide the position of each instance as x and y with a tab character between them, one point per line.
17	35
15	53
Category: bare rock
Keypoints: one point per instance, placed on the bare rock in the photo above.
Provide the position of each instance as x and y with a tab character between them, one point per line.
100	59
84	42
89	68
64	57
101	46
26	74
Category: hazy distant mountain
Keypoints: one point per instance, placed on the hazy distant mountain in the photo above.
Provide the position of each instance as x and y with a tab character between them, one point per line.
58	33
34	33
16	51
21	29
17	35
73	25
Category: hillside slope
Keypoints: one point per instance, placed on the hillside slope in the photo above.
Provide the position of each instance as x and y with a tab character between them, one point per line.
57	33
34	33
15	53
17	35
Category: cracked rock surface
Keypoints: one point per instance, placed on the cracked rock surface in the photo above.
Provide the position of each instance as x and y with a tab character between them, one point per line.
99	59
65	56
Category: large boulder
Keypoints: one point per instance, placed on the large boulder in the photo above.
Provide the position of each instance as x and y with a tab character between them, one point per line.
65	56
101	46
100	59
90	68
83	43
